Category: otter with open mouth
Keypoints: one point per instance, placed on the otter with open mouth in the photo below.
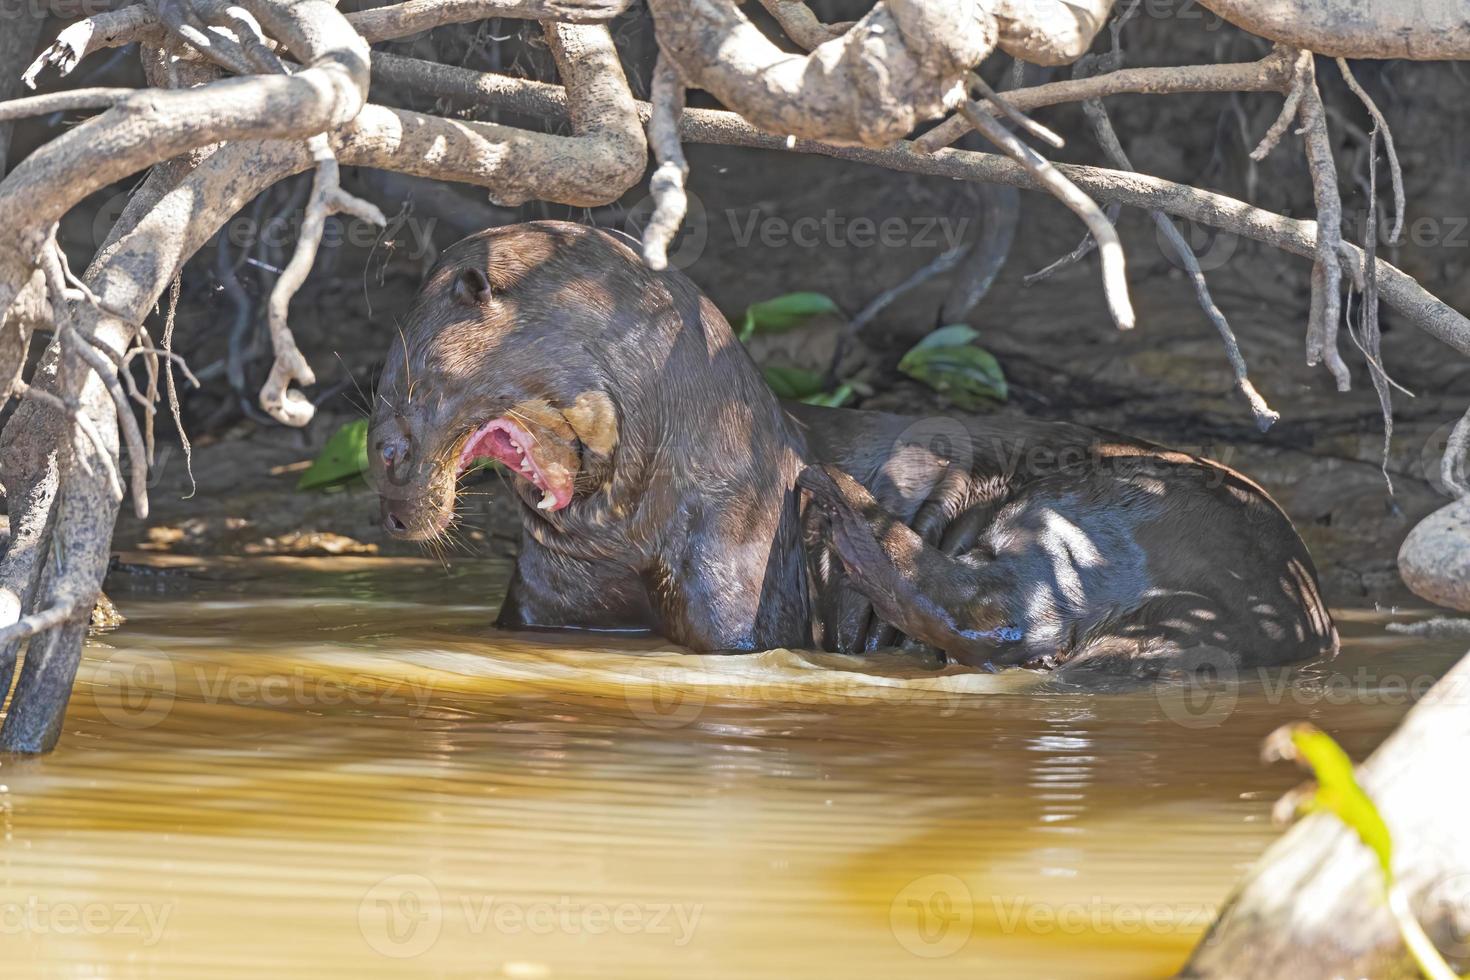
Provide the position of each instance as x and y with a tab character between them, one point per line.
665	488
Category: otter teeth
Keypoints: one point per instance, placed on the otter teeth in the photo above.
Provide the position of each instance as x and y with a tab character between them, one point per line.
547	501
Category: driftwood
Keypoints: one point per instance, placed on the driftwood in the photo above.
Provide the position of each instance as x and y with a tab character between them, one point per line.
1313	906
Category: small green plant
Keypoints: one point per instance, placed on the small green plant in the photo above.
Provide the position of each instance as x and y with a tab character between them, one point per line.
785	313
1337	791
949	362
799	384
342	461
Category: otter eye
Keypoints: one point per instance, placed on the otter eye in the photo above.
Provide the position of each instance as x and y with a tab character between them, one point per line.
394	452
471	288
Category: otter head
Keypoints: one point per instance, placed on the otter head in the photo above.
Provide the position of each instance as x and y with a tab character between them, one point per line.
499	361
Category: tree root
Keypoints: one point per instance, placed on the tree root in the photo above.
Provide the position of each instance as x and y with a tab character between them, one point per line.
1270	74
1107	137
1452	463
1300	77
1396	174
721	128
1326	306
283	403
1000	212
1115	280
894	68
667	183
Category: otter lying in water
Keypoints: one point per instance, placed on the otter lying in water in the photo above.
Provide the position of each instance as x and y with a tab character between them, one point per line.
659	481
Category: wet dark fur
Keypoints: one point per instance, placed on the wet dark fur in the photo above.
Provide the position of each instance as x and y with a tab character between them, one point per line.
693	525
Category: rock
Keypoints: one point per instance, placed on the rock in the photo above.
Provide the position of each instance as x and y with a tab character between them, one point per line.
1435	559
105	615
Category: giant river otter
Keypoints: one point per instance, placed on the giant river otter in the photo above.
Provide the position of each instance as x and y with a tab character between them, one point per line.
664	487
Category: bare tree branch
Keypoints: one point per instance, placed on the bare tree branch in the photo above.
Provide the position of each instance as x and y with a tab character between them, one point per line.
1271	74
667	183
1326	309
1115	280
712	126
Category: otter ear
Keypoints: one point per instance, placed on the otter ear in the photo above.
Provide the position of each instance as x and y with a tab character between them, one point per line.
471	288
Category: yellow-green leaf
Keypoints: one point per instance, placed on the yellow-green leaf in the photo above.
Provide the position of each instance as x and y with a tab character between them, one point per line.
342	460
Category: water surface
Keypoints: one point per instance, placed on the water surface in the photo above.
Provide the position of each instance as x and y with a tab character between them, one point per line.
333	768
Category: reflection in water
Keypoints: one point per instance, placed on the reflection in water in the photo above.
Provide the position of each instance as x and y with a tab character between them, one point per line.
334	768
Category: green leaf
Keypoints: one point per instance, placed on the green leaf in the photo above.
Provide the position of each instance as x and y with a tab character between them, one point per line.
1337	789
1337	792
343	459
832	399
954	335
947	362
785	313
793	382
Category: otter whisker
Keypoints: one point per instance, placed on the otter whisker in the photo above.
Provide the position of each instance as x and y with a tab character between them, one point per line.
407	365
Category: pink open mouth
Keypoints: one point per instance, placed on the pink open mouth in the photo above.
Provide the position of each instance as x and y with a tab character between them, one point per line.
503	440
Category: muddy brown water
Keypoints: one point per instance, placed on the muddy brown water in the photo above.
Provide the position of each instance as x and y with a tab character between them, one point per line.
333	768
